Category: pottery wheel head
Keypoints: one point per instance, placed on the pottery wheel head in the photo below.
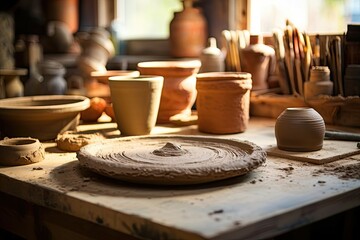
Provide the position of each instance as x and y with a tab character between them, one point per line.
178	159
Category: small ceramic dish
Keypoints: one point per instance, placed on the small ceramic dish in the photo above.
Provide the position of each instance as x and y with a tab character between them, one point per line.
20	151
41	117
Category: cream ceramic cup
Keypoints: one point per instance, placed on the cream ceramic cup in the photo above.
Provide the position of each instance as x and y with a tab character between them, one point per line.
136	102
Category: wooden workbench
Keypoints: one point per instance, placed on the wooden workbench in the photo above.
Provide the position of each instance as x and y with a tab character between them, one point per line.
57	199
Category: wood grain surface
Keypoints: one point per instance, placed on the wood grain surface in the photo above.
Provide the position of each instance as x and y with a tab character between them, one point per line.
275	198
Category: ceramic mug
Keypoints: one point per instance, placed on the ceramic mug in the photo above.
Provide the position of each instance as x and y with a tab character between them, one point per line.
136	102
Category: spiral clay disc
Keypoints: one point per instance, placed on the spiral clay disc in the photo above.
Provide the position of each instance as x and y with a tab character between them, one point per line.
171	160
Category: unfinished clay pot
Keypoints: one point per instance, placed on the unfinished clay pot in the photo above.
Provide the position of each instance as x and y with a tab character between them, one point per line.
41	117
20	151
179	91
300	130
223	102
171	160
136	102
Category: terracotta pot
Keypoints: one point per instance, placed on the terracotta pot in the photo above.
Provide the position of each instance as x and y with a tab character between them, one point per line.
258	59
136	103
223	102
20	151
66	11
179	91
300	130
188	33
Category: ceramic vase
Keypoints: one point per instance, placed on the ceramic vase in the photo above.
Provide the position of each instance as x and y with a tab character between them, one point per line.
179	91
299	130
188	32
136	102
258	59
66	11
53	82
223	102
212	59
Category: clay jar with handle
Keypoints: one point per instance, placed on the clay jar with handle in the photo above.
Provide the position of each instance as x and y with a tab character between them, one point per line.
223	102
136	102
179	91
258	59
299	130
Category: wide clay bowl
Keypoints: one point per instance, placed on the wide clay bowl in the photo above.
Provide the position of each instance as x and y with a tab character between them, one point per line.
41	117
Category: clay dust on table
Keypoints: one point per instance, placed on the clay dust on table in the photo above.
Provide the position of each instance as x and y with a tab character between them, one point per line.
345	172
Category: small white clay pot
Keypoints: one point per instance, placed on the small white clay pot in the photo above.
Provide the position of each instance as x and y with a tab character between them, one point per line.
20	151
299	130
136	102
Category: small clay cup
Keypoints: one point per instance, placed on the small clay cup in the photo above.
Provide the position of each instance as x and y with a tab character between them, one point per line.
136	102
223	102
300	130
20	151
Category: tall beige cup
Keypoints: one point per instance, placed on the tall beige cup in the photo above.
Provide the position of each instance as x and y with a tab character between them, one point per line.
136	102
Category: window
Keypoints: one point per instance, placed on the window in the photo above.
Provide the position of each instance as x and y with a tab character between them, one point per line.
312	16
144	19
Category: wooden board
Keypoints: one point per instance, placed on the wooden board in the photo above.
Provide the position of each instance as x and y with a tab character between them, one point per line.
331	151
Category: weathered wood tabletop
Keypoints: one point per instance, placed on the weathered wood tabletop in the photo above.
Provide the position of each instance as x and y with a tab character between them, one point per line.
277	197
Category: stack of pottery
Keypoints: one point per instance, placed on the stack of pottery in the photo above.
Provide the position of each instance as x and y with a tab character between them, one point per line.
97	48
319	83
223	102
179	91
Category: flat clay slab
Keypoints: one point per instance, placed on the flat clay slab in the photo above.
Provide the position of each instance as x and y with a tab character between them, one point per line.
171	160
331	151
